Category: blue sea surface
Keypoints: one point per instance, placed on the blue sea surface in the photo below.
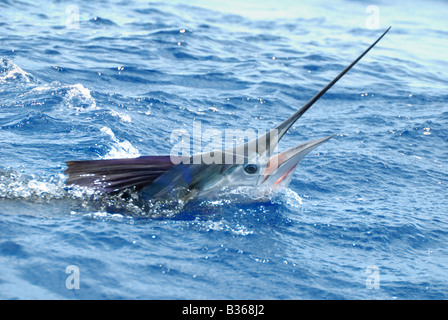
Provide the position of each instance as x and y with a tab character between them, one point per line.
366	213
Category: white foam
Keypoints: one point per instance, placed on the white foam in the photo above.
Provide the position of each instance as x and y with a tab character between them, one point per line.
78	95
286	196
123	117
222	225
41	89
14	185
13	73
75	97
122	149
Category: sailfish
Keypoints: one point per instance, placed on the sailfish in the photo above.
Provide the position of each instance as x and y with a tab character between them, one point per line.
252	164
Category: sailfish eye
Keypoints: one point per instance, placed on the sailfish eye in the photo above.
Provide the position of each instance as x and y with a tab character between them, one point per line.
251	168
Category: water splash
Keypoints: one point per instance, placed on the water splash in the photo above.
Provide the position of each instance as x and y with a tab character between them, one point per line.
14	185
74	97
79	98
286	197
121	149
12	72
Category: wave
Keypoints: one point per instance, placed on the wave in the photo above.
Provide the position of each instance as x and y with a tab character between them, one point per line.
121	149
73	97
10	72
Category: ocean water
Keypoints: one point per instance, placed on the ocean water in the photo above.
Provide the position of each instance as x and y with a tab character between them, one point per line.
365	216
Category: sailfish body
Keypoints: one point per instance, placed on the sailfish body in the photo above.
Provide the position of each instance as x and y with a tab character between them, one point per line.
252	164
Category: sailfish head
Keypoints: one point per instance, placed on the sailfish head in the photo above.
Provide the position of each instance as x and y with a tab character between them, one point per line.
252	164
